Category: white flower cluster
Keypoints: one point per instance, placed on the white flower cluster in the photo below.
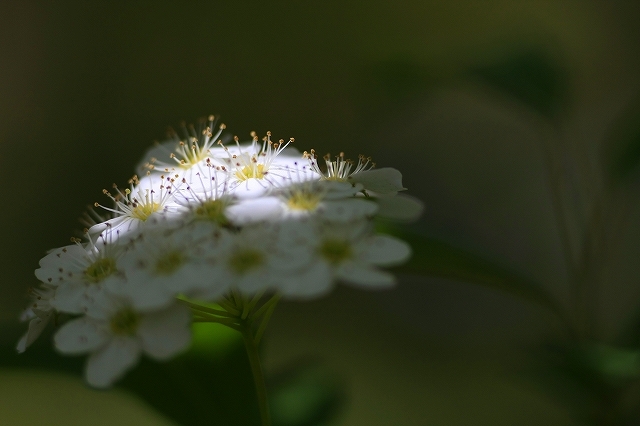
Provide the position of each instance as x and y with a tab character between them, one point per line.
205	220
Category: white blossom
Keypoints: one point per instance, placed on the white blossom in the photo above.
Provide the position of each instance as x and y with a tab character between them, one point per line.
116	334
207	220
385	181
39	313
187	154
324	200
148	202
79	271
162	264
254	169
349	252
254	259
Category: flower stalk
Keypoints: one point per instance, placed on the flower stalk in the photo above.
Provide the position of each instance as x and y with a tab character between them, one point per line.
251	346
249	318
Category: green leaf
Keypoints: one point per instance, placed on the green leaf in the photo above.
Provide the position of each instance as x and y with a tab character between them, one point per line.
305	395
530	76
439	259
597	381
613	363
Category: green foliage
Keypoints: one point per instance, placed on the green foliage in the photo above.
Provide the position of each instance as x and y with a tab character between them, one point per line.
305	395
613	363
530	76
599	382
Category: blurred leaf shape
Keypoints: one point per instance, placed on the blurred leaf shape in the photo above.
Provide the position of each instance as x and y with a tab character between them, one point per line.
621	147
305	394
529	75
440	259
213	340
612	362
598	381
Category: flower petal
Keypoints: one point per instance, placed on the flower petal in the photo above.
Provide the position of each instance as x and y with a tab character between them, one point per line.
165	333
385	181
400	207
79	336
347	210
364	276
111	362
36	325
384	250
254	210
314	282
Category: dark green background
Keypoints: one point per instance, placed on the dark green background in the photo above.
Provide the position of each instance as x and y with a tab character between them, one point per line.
86	87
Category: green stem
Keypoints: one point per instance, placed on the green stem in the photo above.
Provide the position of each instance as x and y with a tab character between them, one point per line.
201	308
265	307
256	368
265	320
229	307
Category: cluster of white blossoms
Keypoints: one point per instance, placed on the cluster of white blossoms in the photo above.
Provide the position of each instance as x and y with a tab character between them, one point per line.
204	220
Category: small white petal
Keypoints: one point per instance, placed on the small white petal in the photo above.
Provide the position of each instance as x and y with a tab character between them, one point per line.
401	207
364	276
250	188
143	293
111	362
36	325
73	296
252	282
347	210
384	250
313	282
80	335
22	343
165	333
386	181
254	210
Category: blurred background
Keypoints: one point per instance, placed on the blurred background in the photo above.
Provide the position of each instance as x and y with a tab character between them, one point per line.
470	100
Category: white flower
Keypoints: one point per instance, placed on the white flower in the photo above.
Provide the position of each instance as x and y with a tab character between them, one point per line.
79	271
255	168
38	314
207	198
400	207
253	259
187	154
385	181
325	200
161	264
348	252
149	201
116	334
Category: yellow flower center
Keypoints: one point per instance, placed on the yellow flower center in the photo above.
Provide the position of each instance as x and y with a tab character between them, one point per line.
303	200
252	171
213	211
100	269
124	322
169	263
143	211
243	261
335	251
